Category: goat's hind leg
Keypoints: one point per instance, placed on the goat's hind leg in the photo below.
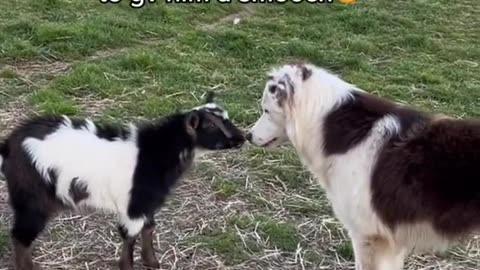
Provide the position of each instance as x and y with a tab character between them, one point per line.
129	230
28	224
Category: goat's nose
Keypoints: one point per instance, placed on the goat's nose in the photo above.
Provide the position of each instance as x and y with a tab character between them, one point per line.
248	136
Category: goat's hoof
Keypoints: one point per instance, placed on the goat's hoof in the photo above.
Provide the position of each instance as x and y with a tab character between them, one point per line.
154	264
31	266
125	265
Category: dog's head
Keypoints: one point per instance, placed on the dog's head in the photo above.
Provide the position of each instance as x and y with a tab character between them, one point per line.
212	128
270	128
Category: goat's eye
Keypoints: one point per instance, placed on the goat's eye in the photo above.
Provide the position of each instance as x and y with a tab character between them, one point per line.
211	126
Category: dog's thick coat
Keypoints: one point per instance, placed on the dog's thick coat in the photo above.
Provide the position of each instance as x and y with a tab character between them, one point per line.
400	180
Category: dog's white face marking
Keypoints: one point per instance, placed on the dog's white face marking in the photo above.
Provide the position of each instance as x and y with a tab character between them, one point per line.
269	130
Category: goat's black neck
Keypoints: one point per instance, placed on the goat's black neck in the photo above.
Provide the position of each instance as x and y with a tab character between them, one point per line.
166	136
166	152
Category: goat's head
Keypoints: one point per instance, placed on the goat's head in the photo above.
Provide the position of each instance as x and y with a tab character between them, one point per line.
212	128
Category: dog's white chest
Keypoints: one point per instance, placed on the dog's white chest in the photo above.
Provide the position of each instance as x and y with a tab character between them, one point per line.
348	185
349	192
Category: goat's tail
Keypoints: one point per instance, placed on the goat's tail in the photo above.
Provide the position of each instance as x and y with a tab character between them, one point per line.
3	155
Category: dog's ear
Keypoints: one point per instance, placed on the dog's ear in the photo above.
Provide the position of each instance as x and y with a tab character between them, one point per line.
192	121
301	64
210	97
306	72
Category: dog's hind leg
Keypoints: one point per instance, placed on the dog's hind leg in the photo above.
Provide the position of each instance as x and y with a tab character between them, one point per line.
376	253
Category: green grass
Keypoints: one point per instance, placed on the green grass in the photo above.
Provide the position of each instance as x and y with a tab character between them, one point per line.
54	102
420	64
225	187
228	245
8	73
235	243
123	63
282	235
345	250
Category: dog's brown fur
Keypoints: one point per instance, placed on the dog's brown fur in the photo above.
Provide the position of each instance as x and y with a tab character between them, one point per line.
427	173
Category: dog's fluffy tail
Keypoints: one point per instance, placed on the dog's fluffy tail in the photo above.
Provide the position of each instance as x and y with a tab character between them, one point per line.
3	155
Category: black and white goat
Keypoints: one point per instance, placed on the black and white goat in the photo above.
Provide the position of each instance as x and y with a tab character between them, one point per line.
53	163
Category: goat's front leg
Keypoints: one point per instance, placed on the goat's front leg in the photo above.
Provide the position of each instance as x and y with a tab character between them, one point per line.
126	256
129	230
148	252
376	253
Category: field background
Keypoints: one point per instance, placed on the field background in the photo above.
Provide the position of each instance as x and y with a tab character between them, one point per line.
241	210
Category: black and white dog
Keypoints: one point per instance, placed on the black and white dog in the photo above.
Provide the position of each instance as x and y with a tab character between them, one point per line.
399	180
53	163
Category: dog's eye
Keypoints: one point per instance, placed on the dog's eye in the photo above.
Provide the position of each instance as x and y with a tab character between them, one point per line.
272	89
266	111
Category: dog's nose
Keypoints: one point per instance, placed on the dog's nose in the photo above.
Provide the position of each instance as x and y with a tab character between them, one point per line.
248	136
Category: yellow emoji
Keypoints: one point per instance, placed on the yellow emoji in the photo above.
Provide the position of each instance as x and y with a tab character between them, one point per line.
348	2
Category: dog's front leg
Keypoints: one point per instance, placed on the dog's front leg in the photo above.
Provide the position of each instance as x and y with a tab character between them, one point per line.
364	257
392	258
376	253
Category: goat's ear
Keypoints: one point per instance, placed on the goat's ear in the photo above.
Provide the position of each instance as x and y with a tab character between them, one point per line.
192	120
210	97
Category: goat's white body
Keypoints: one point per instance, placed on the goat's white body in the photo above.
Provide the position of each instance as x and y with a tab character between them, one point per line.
105	167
